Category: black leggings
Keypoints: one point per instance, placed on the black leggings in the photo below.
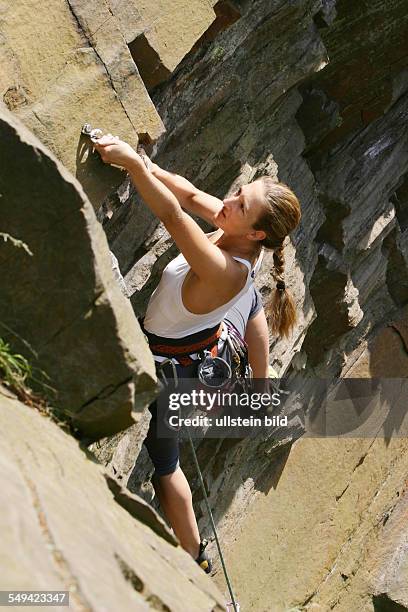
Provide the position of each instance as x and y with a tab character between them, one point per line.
164	452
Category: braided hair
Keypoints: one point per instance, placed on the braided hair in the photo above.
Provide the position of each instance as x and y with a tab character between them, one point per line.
282	215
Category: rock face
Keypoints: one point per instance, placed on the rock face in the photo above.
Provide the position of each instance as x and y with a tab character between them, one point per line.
159	34
316	539
66	63
314	93
389	574
63	530
63	299
74	61
329	530
385	354
280	92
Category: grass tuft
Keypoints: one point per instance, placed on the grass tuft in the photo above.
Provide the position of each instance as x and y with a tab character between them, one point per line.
16	374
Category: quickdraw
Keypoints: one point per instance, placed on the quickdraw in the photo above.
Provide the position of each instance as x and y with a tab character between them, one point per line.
93	133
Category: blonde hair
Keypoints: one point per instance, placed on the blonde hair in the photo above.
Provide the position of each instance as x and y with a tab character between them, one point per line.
281	216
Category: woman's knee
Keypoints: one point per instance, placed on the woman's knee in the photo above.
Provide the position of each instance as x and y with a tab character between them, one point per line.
163	452
165	467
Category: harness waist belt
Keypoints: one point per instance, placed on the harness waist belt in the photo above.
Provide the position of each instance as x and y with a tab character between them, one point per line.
181	348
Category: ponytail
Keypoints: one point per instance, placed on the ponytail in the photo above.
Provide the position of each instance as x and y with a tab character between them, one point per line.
281	216
281	309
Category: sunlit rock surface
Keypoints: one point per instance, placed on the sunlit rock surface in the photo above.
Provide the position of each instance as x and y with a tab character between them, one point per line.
313	92
63	530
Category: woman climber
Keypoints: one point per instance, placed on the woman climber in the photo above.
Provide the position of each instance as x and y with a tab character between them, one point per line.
198	288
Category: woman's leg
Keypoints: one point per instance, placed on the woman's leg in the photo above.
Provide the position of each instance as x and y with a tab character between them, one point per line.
175	498
172	488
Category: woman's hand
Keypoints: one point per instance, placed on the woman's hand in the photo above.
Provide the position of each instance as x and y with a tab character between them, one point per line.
115	151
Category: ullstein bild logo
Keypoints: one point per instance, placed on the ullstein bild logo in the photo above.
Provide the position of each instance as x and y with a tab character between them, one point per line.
175	420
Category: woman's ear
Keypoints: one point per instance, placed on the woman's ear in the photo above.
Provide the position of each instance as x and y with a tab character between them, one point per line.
256	235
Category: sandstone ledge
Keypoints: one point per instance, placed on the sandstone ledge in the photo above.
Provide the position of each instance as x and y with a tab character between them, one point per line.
62	529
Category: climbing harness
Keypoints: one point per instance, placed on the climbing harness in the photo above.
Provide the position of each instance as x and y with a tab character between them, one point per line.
160	370
182	348
200	476
216	368
237	354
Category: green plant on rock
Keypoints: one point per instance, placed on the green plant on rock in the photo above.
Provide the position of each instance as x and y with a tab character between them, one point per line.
16	372
14	369
17	375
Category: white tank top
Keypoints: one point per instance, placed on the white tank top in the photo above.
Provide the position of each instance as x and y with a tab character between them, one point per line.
166	314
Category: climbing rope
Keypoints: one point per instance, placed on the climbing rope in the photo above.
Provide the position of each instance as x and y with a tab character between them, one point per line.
224	568
200	476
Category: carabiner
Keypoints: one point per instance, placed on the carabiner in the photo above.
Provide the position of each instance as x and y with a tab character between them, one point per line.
160	372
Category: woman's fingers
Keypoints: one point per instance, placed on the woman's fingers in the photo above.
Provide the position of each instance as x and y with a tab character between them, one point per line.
114	151
106	140
103	148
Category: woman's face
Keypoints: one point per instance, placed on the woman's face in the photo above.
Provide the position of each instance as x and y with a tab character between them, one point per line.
241	210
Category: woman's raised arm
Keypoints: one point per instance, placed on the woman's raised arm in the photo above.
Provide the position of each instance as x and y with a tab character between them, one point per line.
156	195
191	199
208	261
